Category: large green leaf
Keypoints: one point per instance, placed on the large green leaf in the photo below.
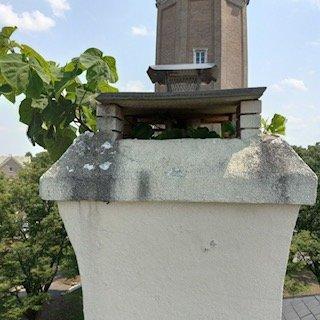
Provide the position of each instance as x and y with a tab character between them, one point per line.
43	73
61	142
40	103
90	118
5	89
6	32
15	71
25	111
59	113
35	85
38	63
278	124
111	61
104	87
36	131
85	97
98	66
67	79
5	43
90	57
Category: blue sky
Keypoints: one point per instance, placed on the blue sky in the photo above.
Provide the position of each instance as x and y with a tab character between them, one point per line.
284	52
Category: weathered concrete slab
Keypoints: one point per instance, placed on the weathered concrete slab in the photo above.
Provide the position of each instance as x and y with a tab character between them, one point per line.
211	170
185	100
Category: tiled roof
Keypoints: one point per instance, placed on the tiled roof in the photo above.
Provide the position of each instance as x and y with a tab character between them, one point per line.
303	308
20	159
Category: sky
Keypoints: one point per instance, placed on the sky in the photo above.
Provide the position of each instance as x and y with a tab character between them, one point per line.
284	53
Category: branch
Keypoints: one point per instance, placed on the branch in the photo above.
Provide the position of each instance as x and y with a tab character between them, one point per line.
80	121
55	263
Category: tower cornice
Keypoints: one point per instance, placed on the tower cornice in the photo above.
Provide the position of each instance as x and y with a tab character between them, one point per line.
239	3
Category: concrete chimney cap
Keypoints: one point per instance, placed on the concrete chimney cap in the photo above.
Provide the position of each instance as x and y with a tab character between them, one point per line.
265	171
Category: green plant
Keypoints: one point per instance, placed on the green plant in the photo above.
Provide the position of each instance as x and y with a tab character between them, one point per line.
146	132
277	126
33	243
57	104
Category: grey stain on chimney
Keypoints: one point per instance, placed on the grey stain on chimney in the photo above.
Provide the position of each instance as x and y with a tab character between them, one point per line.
212	245
144	185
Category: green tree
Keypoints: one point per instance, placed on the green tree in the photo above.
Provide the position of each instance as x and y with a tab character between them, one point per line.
33	243
57	105
305	248
309	217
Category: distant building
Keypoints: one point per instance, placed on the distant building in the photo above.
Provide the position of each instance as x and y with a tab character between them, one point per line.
11	165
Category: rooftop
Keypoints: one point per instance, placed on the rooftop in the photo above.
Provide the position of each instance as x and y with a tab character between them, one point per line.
22	160
302	308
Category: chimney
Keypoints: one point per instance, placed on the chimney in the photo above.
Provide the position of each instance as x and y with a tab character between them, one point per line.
183	228
197	226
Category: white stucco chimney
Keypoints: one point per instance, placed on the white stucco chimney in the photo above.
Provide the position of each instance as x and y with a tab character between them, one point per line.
185	229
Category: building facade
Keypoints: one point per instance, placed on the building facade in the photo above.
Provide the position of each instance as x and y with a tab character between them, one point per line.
205	31
11	165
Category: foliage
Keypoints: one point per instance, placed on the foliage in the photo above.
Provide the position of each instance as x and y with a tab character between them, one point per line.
33	242
142	131
277	126
202	133
296	265
306	248
309	217
293	286
67	307
57	104
146	132
228	130
306	242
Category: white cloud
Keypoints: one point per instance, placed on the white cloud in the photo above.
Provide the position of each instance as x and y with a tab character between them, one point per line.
289	83
141	31
59	7
135	86
315	3
25	21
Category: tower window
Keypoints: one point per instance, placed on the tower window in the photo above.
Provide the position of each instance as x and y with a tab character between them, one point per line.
200	56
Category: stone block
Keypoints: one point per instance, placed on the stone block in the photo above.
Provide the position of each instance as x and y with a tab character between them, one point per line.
110	110
110	124
250	134
254	106
252	121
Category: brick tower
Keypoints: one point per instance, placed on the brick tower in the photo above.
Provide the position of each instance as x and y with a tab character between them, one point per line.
212	32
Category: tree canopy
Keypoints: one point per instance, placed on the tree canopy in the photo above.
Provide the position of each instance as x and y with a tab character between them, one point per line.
305	248
33	242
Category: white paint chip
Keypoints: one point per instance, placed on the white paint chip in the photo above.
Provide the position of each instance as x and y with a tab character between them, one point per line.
176	173
89	167
107	145
105	166
89	134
